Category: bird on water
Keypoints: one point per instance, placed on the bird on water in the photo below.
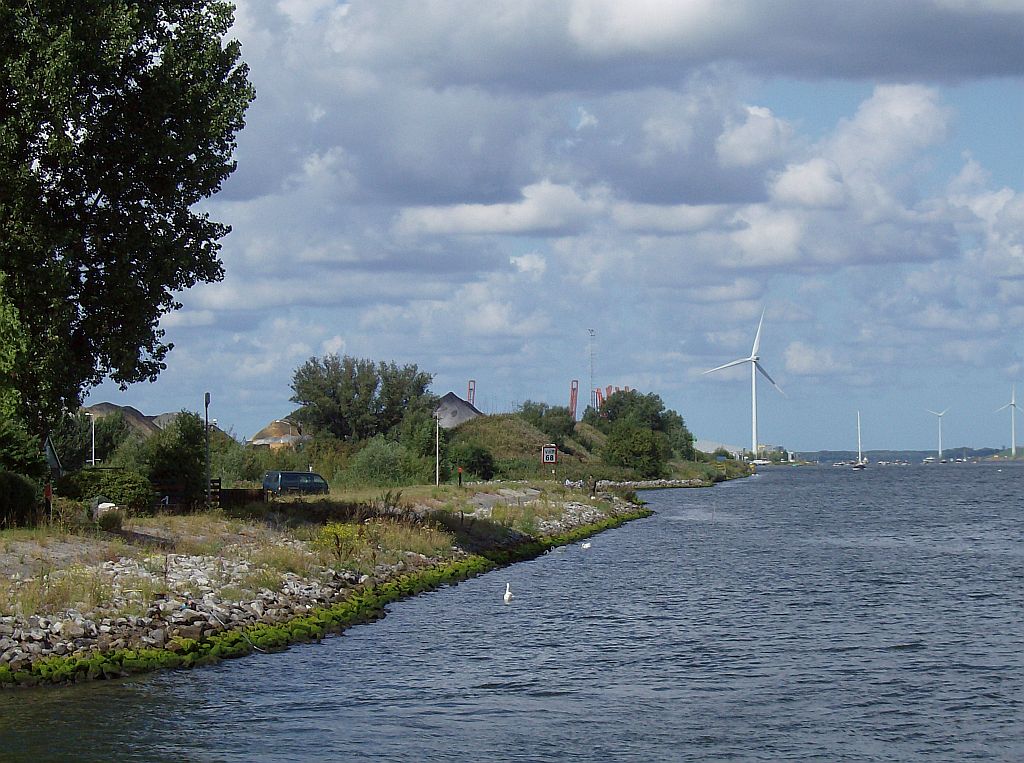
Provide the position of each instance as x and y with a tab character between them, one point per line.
508	593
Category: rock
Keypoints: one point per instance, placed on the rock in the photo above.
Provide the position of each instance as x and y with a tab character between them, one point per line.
188	631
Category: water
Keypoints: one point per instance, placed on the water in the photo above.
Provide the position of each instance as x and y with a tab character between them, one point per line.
804	614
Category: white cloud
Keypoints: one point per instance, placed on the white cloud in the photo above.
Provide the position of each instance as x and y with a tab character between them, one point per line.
546	207
674	218
768	237
804	359
761	137
586	119
608	27
814	183
533	265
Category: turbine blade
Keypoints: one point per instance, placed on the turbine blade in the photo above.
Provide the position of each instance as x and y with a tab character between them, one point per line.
1004	407
766	376
728	365
757	336
936	413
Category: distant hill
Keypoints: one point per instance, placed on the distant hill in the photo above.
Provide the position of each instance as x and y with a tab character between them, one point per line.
138	421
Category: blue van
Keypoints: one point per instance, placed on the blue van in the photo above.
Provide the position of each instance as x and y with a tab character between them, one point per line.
297	483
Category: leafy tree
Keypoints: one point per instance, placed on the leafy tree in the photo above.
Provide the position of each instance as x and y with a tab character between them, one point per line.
474	458
20	452
12	344
646	411
177	454
554	421
355	399
638	448
72	438
116	119
419	433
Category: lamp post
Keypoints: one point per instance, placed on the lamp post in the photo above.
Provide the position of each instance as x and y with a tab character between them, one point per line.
207	417
437	450
92	421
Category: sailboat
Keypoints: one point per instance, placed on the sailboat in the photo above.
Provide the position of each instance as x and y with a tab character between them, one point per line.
861	462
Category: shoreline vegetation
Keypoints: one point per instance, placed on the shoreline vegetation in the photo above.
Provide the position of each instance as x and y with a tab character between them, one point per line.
180	591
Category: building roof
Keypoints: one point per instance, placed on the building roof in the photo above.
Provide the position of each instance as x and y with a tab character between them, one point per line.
452	410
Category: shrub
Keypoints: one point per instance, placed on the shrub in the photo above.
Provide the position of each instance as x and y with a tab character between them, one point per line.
177	455
385	463
111	521
18	500
475	459
636	448
123	487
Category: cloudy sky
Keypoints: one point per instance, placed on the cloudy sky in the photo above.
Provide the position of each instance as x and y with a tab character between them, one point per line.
472	186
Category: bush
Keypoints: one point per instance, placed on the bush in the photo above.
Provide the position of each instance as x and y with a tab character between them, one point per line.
637	448
385	463
125	488
111	521
475	459
18	500
177	455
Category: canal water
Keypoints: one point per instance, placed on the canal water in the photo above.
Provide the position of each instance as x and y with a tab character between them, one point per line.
803	614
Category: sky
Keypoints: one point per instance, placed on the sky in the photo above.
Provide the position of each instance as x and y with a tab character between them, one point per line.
474	187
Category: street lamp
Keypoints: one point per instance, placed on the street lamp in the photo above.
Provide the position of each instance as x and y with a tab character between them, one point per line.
92	420
207	402
437	449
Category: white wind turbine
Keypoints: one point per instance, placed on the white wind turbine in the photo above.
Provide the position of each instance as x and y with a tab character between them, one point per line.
1012	405
755	366
940	415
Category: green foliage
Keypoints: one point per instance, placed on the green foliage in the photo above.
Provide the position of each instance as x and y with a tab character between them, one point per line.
20	452
125	488
111	521
646	411
19	497
177	455
637	448
72	438
386	463
554	421
474	458
117	120
355	399
340	540
12	344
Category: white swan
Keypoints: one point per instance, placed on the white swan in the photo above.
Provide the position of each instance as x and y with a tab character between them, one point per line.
585	544
508	593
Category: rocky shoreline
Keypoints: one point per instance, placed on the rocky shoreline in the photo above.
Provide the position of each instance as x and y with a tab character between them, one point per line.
193	618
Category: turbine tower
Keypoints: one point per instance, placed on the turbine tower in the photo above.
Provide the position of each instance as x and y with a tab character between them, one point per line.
940	415
755	366
1012	405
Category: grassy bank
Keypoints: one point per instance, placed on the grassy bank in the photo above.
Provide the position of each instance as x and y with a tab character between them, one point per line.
364	605
390	545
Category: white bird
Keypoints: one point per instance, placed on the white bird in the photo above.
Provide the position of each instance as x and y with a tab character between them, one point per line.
585	544
508	593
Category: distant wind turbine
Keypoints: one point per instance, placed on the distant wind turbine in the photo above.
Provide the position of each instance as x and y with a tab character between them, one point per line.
1012	405
940	415
755	366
